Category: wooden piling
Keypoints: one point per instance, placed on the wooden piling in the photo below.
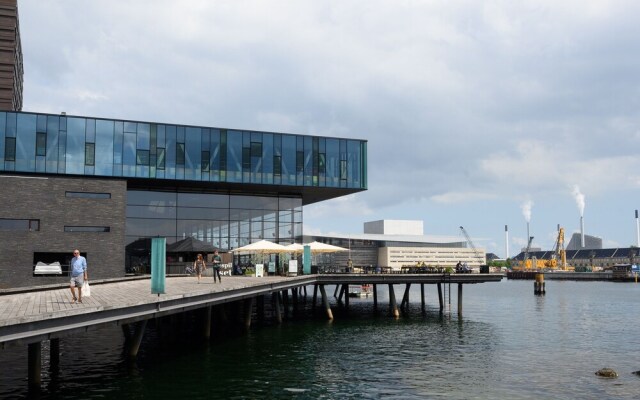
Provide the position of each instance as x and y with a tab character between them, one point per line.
538	284
405	297
54	353
440	299
422	302
134	344
325	302
34	365
459	299
248	309
392	302
375	296
315	297
206	323
276	307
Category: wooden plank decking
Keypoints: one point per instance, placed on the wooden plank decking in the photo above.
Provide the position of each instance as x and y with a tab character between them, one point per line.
31	316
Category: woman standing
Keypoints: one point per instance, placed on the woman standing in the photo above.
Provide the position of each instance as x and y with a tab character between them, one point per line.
200	266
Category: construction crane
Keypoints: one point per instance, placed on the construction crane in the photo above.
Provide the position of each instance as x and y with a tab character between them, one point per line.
559	253
525	263
477	253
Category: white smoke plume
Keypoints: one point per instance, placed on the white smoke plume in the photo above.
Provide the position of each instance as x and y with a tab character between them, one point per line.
526	210
579	198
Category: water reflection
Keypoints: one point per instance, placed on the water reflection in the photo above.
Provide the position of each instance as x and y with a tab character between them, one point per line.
509	344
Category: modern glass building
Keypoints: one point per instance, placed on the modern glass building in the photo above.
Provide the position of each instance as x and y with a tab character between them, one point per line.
104	185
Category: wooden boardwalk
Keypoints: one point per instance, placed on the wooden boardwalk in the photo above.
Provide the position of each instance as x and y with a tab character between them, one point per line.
33	316
40	315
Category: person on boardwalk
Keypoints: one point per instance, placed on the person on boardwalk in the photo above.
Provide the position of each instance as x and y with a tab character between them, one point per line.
200	266
217	263
78	275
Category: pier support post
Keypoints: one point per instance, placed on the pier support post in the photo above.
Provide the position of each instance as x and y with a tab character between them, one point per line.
260	308
248	309
276	307
134	345
459	299
375	296
126	331
440	299
285	302
346	295
392	302
206	332
341	292
325	302
315	297
54	353
35	365
422	302
538	284
295	299
405	297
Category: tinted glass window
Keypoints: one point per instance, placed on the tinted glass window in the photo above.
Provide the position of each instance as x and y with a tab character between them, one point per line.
10	149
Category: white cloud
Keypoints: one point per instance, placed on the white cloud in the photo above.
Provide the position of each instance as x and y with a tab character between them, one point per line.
466	105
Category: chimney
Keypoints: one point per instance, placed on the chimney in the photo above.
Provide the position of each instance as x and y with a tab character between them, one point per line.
582	232
506	242
637	230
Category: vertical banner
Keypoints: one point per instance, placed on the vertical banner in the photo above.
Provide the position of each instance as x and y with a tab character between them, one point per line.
158	264
306	260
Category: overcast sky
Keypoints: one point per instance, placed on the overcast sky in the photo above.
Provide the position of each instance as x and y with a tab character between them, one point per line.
477	113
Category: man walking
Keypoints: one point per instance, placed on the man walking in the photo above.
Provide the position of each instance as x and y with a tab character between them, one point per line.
217	263
78	275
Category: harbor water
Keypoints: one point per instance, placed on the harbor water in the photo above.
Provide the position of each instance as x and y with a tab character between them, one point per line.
509	344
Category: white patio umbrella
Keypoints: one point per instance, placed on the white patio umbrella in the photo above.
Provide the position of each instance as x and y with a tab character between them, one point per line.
317	248
261	247
295	248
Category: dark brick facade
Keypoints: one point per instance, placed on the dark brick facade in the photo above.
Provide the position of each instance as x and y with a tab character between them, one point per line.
44	199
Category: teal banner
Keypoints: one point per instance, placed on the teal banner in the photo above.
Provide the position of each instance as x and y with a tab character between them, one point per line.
158	264
306	260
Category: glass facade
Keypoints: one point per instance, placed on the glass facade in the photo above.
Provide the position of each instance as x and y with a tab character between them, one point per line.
222	220
227	188
70	145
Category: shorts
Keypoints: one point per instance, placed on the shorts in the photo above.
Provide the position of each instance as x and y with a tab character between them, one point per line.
77	281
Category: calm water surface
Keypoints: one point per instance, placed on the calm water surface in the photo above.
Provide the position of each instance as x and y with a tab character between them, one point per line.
509	344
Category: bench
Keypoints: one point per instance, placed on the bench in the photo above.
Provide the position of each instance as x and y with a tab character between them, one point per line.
48	269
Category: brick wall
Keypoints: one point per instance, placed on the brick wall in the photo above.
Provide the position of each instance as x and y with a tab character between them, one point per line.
44	199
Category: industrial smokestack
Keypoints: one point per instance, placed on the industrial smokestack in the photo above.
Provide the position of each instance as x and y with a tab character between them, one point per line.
582	232
506	242
637	230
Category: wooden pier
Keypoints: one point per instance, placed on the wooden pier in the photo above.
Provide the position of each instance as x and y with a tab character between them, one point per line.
32	315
